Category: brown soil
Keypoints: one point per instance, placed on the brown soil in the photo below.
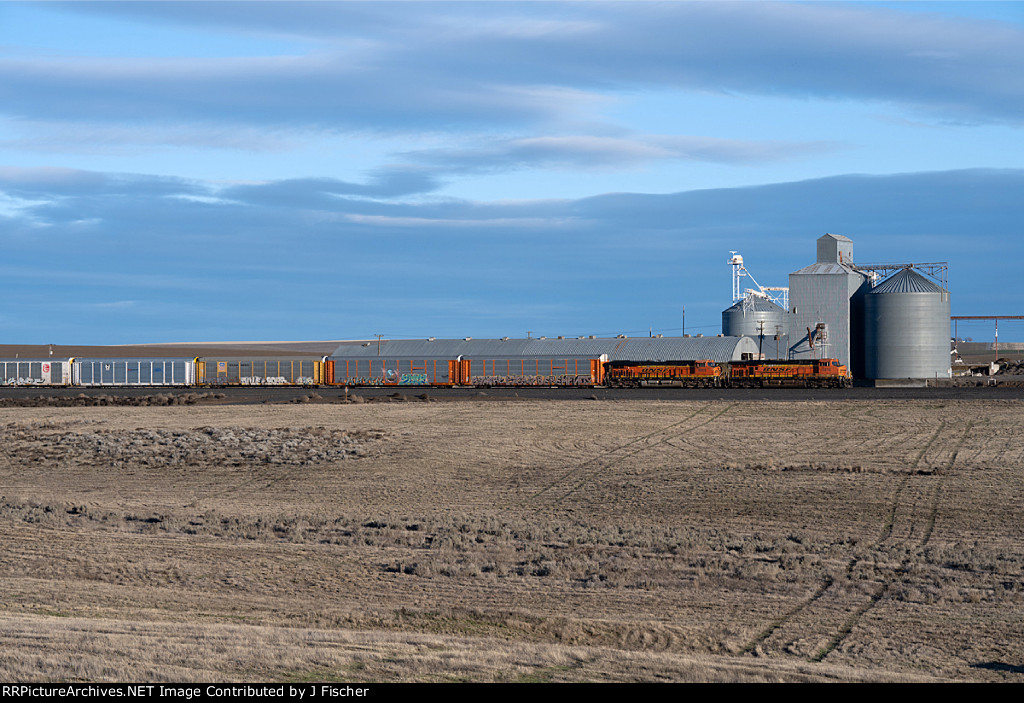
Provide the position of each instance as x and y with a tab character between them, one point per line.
514	541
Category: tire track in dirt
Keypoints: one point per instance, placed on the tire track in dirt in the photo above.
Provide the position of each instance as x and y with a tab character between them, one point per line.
776	624
264	482
848	626
886	534
855	618
936	492
890	522
586	470
607	453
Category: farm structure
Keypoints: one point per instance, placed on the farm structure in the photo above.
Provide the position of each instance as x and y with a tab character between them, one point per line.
883	321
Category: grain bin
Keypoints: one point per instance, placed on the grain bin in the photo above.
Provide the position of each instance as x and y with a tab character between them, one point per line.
744	318
906	328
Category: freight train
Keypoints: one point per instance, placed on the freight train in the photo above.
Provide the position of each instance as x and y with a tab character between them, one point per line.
704	373
213	372
162	372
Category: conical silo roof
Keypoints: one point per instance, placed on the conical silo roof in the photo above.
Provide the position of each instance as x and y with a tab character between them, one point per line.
906	281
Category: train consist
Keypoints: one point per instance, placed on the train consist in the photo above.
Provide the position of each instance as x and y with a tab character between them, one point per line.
207	372
169	372
703	373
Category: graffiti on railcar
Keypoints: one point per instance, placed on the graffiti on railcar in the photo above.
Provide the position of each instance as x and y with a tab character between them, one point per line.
405	379
362	381
24	381
263	381
519	380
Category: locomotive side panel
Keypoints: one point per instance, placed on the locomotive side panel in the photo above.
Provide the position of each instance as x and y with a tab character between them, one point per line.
808	373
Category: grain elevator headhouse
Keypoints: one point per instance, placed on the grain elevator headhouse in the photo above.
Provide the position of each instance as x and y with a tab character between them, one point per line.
826	301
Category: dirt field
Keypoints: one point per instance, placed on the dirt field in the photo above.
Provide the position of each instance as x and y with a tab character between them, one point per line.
514	541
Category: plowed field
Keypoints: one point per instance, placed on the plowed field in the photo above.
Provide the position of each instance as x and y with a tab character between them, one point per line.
514	541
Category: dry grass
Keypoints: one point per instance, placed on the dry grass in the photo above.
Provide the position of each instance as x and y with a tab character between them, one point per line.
514	541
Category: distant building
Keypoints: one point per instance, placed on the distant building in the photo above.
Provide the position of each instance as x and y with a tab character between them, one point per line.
826	302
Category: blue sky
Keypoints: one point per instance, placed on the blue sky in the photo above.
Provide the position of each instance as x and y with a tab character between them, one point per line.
229	171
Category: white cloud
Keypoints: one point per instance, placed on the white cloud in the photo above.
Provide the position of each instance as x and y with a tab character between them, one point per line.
94	137
508	222
601	152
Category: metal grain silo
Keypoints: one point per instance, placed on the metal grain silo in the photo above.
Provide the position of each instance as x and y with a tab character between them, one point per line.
744	318
829	293
906	328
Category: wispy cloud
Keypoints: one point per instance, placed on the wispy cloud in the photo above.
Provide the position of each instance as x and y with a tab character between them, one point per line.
597	152
470	223
498	64
54	137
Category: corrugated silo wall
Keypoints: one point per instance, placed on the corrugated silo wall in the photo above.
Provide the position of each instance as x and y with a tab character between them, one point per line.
837	300
907	335
858	363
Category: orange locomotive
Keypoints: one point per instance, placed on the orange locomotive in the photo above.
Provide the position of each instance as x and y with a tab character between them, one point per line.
704	373
701	373
808	373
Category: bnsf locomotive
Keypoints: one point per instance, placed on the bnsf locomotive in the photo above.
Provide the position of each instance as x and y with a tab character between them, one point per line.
704	373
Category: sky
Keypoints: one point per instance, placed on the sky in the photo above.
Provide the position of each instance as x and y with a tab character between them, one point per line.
206	171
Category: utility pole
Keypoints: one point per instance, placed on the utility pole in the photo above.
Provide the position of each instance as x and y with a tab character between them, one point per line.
378	336
997	318
760	339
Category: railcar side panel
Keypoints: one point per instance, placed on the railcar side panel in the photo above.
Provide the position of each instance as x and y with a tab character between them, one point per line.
218	371
133	372
35	372
575	372
391	372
